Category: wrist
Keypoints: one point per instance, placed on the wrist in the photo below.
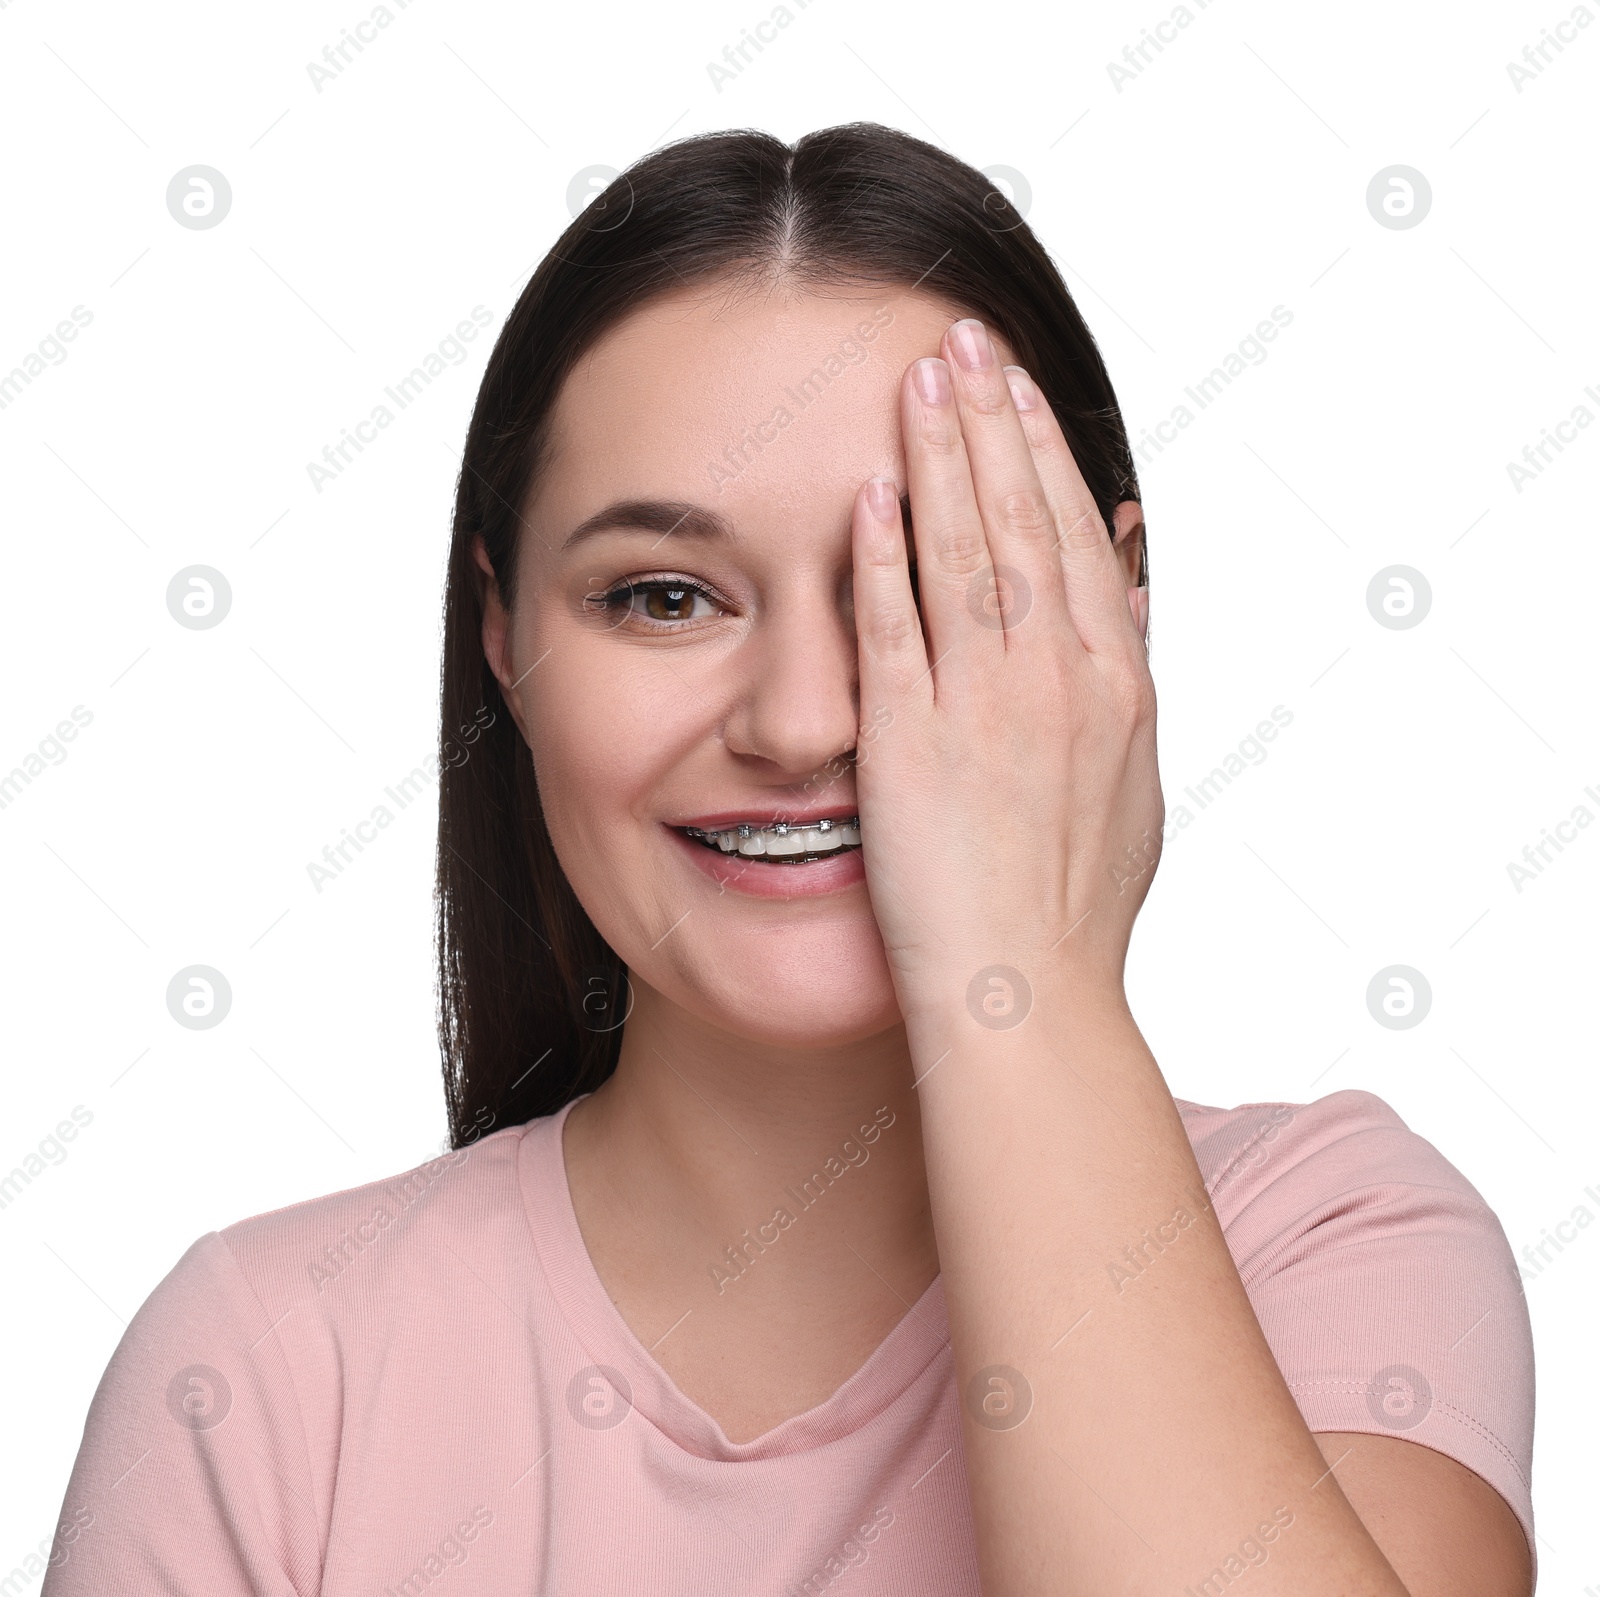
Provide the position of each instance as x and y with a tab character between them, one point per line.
1001	991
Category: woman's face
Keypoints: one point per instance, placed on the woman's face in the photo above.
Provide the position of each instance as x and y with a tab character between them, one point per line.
714	448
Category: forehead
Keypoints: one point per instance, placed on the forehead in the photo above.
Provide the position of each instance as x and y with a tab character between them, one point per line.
762	405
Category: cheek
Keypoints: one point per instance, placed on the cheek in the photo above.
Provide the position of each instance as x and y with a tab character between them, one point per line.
607	733
603	738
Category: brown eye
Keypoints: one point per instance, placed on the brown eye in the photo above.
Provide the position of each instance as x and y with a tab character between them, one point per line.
662	603
665	603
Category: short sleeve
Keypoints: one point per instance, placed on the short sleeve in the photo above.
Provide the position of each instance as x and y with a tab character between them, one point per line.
1382	1280
192	1478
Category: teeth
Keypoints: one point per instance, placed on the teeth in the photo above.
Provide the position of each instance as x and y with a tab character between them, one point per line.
784	840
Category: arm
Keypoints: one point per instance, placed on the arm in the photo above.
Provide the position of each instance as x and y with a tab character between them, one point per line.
1446	1532
1119	1437
192	1475
1162	1437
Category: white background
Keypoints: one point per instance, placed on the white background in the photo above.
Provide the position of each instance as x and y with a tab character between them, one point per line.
370	216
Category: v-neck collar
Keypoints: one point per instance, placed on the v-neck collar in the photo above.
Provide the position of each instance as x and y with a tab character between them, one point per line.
890	1369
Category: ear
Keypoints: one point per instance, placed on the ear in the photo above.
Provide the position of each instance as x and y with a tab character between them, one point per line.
1127	543
496	631
1127	540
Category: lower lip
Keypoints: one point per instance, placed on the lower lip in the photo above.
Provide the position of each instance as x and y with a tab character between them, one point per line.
739	873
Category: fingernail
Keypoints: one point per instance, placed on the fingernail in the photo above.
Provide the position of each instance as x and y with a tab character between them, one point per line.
971	343
1139	604
881	498
1024	392
932	378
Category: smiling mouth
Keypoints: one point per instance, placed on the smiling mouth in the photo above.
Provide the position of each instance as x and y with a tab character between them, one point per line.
782	843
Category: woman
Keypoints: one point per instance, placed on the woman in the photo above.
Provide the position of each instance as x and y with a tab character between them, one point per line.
816	1216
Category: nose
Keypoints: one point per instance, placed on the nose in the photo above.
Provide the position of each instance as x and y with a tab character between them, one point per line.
797	700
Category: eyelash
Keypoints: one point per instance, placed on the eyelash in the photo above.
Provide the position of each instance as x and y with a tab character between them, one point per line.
633	586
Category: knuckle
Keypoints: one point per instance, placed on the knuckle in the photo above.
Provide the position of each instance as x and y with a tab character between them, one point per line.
940	436
1133	694
880	556
961	550
1025	512
1084	529
989	399
892	631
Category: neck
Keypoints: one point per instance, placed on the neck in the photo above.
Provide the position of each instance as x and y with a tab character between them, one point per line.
731	1186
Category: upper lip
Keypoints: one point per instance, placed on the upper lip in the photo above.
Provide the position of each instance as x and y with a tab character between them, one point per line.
725	820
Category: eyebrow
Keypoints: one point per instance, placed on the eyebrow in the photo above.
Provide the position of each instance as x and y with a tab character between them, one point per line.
664	516
660	516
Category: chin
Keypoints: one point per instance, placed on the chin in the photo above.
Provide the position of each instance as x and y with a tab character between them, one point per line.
803	1009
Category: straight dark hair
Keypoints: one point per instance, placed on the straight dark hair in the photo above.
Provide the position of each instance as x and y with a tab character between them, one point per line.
532	1000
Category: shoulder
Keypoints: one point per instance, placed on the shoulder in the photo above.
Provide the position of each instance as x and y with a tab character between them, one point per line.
1381	1279
1277	1170
292	1305
232	1387
314	1273
363	1241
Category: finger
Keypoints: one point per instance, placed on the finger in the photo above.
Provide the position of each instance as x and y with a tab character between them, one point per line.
954	569
1018	519
1096	590
1139	604
892	657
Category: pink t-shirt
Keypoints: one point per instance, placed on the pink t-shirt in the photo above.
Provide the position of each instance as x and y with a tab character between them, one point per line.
421	1386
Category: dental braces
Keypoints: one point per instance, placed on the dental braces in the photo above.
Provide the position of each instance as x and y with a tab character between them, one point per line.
780	828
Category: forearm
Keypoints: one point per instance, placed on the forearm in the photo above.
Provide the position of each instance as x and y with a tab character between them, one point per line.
1078	1247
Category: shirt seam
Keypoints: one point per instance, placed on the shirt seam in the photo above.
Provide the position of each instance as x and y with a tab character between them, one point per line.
299	1405
1467	1421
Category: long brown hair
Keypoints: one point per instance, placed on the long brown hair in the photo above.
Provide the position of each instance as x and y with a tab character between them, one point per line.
532	1000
